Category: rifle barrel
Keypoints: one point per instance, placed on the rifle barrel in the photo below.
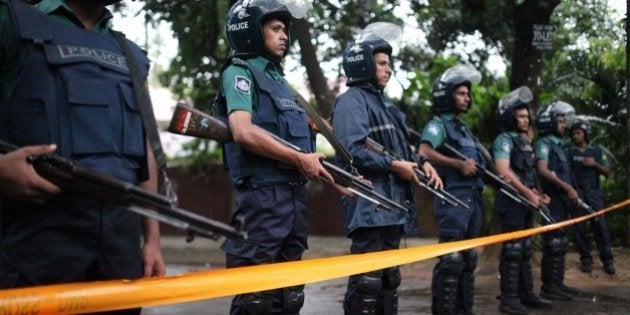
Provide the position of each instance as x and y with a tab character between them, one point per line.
68	175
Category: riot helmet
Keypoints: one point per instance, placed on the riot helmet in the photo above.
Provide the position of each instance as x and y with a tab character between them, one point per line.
453	77
584	125
546	118
358	61
509	103
243	25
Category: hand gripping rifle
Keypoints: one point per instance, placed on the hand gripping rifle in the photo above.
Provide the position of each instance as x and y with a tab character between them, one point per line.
506	188
192	122
66	174
441	193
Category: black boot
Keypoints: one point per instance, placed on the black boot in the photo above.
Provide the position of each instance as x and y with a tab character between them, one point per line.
467	281
609	267
552	270
509	268
445	284
532	300
526	288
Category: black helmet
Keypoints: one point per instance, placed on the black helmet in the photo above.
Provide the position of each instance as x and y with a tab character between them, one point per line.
546	117
518	98
584	125
243	25
358	62
453	77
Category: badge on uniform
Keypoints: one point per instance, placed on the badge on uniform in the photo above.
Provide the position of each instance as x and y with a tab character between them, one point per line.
433	129
544	149
506	147
242	84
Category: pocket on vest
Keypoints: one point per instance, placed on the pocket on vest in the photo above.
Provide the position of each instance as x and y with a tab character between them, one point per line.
90	118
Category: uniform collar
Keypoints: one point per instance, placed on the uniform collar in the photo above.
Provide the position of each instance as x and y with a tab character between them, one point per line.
60	10
448	116
553	138
264	64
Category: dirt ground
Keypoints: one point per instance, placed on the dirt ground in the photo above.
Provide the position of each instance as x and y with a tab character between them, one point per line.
601	293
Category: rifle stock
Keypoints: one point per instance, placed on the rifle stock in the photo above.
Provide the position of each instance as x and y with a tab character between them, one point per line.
191	122
68	175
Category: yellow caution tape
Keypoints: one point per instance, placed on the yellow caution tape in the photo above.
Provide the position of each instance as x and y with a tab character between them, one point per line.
121	294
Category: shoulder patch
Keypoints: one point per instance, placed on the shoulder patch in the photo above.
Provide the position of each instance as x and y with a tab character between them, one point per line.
433	129
544	149
506	147
242	84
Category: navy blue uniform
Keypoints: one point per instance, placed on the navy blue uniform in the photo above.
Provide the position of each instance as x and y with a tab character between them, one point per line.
453	276
74	89
270	195
587	180
361	112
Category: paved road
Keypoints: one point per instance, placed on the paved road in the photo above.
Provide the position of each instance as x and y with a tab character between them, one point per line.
602	294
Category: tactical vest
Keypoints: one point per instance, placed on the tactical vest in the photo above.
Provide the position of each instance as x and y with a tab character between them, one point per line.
75	90
522	160
279	114
586	177
465	144
559	164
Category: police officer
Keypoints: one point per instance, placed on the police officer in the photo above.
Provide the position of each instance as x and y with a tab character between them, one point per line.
269	177
453	276
514	157
361	112
56	88
554	170
587	163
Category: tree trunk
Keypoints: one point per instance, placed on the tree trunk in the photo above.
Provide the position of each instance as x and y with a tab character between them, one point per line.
318	82
628	115
527	61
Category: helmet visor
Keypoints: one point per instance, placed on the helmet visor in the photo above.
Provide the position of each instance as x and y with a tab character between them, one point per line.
521	95
564	108
463	73
389	32
297	8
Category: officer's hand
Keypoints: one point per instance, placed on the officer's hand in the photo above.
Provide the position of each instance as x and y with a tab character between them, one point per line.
572	195
343	190
533	197
310	165
432	176
544	198
468	168
153	263
588	161
18	178
405	170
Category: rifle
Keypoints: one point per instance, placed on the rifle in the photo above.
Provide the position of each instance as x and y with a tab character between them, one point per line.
441	193
66	174
192	122
506	188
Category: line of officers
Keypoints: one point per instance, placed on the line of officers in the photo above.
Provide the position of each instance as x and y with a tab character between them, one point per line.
269	178
60	99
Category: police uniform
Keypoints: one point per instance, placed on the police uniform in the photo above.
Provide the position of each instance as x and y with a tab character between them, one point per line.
65	85
453	276
361	112
270	195
587	181
515	267
555	242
